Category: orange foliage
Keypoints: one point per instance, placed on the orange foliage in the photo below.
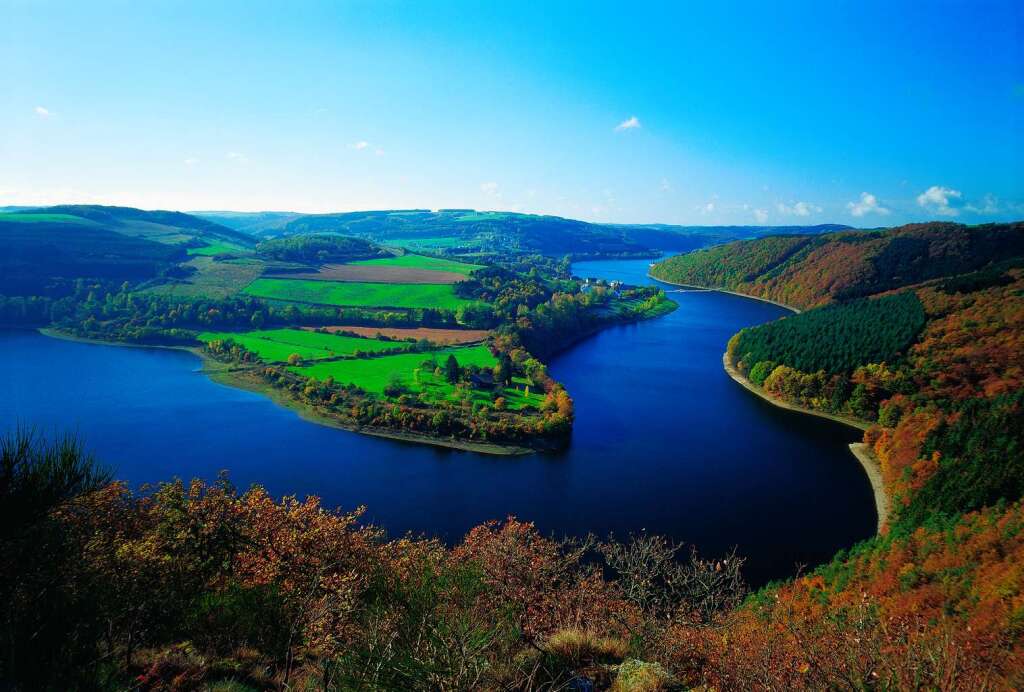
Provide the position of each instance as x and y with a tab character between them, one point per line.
937	608
973	343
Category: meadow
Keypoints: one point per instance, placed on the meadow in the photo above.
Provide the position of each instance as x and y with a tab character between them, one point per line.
357	294
407	370
422	262
275	345
216	248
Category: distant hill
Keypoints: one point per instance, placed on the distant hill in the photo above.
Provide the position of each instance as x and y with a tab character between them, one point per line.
464	231
811	270
160	226
41	249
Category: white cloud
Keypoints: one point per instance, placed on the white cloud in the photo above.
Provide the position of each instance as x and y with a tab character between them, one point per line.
761	215
868	204
940	200
360	145
489	188
191	161
379	152
708	208
43	112
237	157
989	205
631	123
798	209
665	186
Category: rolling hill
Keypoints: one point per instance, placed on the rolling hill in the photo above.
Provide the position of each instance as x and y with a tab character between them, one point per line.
467	231
42	249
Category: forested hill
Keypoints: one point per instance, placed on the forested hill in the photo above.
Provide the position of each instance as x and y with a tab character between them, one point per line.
41	248
810	270
461	231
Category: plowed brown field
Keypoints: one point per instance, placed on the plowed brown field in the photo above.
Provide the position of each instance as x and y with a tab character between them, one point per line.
438	336
375	274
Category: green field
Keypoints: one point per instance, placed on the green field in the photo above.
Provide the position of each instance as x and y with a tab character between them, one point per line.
275	345
358	294
374	374
422	262
216	248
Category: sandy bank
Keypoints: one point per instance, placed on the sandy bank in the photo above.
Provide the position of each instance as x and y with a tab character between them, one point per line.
861	451
722	290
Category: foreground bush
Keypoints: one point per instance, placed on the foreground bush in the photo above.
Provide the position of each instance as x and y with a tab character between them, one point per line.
201	586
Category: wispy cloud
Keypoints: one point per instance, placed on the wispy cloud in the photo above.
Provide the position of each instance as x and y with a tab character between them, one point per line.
940	200
631	123
489	188
237	157
761	215
191	161
360	145
798	209
665	186
868	204
43	112
989	204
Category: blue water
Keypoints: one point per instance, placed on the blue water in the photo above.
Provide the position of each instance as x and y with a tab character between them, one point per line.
664	441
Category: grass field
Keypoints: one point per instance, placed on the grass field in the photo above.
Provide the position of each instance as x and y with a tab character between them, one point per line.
33	217
357	294
374	374
216	248
275	345
422	262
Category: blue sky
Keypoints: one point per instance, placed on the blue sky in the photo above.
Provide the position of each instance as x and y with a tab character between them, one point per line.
720	113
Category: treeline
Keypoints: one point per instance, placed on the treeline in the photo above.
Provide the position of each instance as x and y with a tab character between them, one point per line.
836	338
108	310
566	317
319	249
948	407
200	586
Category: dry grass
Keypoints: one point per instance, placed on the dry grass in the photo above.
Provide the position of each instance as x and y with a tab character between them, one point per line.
580	647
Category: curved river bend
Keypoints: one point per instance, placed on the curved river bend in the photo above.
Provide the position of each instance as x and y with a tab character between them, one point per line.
664	441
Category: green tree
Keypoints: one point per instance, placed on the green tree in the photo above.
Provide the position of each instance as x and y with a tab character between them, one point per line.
503	370
451	369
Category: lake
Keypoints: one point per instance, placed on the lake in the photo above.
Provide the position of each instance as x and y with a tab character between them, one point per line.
664	441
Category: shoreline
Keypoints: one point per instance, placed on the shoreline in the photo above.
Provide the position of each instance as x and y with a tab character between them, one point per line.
223	374
722	290
861	451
